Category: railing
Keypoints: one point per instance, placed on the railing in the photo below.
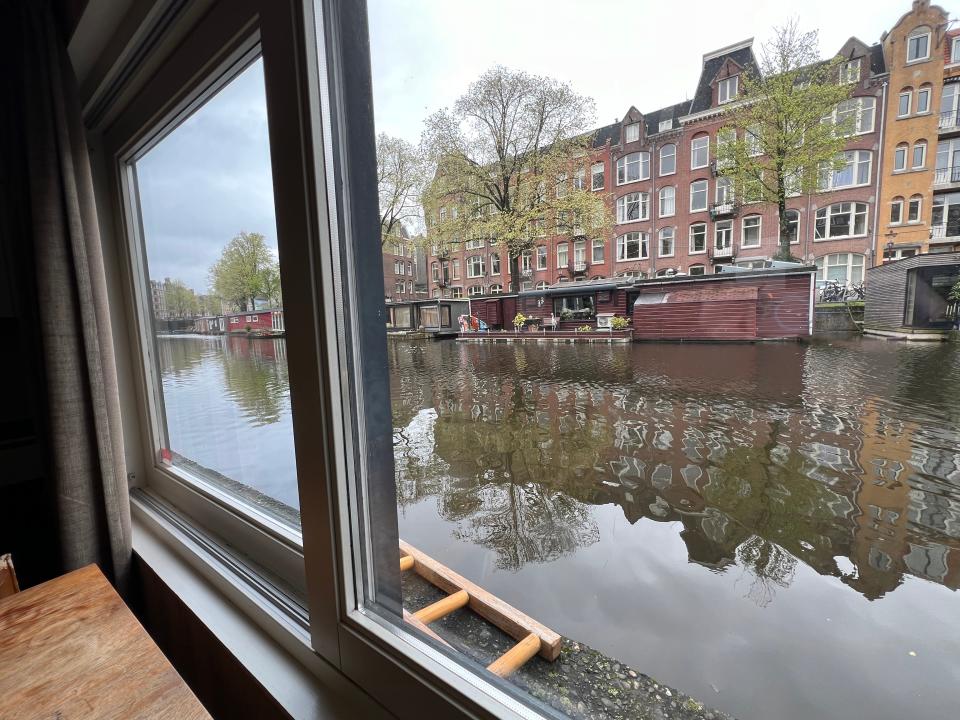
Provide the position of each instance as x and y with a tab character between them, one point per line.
949	120
723	252
947	175
945	230
526	272
579	267
723	209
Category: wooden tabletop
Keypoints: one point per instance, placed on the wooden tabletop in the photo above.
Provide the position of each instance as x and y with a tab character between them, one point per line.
71	649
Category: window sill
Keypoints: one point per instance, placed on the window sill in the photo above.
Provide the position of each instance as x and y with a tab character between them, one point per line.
263	642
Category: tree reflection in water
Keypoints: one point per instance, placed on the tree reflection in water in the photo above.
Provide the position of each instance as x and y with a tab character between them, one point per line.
761	453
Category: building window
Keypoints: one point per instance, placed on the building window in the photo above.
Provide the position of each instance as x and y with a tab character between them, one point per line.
631	133
750	232
668	201
698	238
855	171
896	211
562	188
579	254
596	176
665	125
726	90
903	107
541	257
840	220
562	260
496	289
476	290
475	244
696	270
495	264
668	159
923	100
633	206
723	234
919	154
913	209
850	71
526	257
752	137
699	152
859	112
456	292
580	179
632	246
724	190
793	226
435	271
846	268
918	47
698	195
900	157
633	167
597	251
455	265
475	266
955	51
665	238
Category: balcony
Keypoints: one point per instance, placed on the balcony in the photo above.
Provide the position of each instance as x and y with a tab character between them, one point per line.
723	253
945	231
724	209
949	121
946	176
526	273
579	268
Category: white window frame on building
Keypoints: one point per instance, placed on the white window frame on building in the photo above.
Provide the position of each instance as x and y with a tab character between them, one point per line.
850	72
793	219
541	257
668	157
475	290
727	89
917	42
923	99
915	209
696	270
919	155
633	167
855	211
475	266
596	176
852	270
904	103
629	241
598	251
631	133
723	235
563	258
695	190
699	152
900	157
666	242
858	167
751	231
665	125
494	263
667	200
896	211
697	231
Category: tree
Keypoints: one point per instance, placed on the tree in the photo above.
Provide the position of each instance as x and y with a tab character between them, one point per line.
794	125
181	300
244	271
505	162
400	179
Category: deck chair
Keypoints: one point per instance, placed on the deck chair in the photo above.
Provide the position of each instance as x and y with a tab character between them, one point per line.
8	578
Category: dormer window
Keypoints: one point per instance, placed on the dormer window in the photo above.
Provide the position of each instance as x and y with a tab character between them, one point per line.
850	72
918	45
631	133
727	90
665	125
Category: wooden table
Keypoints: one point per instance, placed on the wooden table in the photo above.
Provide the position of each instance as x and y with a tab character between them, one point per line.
71	649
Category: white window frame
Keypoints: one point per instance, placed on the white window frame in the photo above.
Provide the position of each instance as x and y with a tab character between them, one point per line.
706	193
727	89
665	125
724	229
598	244
853	211
862	108
566	256
910	39
640	201
850	72
900	157
672	157
631	133
475	290
796	235
696	270
383	659
473	262
594	173
896	205
854	160
640	161
915	200
924	95
908	95
672	233
922	147
496	289
541	257
495	263
643	246
667	201
690	237
699	146
744	228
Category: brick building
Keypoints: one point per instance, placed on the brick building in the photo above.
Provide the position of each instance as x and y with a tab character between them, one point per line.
673	213
945	211
402	272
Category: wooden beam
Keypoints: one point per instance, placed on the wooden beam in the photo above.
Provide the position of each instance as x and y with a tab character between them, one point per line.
406	562
451	602
8	578
506	617
512	659
418	624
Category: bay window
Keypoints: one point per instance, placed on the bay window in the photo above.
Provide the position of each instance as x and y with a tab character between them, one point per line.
632	246
840	220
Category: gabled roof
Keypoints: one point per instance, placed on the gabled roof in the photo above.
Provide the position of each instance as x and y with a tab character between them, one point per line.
741	54
672	112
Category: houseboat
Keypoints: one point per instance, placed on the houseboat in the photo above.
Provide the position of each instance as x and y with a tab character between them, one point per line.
909	299
261	323
436	318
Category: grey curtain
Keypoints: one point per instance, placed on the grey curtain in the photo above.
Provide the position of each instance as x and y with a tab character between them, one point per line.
48	184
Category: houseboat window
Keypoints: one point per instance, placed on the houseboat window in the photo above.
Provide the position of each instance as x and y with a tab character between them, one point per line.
574	306
401	316
222	412
847	268
430	316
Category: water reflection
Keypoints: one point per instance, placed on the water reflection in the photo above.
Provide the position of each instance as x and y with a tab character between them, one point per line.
842	457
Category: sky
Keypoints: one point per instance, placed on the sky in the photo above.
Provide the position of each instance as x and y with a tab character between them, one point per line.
210	178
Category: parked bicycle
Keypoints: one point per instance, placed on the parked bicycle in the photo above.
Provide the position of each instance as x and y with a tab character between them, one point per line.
856	291
832	291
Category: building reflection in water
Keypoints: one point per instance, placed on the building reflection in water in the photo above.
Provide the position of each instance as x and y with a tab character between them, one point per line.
836	456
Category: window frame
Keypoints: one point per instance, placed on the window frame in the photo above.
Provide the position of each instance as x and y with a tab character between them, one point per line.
725	85
672	156
896	204
695	149
920	145
916	36
662	199
706	195
643	246
673	241
690	237
908	95
743	231
318	78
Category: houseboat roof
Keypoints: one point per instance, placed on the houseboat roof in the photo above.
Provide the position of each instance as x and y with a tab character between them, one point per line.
426	301
778	268
578	288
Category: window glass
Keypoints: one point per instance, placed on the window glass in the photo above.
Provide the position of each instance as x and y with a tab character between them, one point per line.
698	195
698	237
667	201
665	236
918	47
631	132
632	246
668	159
751	231
214	278
903	108
596	176
598	249
700	152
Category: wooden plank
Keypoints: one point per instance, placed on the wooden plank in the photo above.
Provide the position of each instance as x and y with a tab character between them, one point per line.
506	617
70	648
419	625
406	562
512	659
8	578
440	608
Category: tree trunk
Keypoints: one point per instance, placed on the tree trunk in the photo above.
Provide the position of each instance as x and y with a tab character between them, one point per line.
514	273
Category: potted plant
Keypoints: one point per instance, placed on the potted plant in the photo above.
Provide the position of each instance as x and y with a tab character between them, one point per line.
619	323
518	321
585	328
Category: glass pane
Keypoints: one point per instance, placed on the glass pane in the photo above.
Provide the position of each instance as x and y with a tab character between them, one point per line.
206	198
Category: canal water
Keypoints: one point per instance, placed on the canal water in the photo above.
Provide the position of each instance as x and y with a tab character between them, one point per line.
773	528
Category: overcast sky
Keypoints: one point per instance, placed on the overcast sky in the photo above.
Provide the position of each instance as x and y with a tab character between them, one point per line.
210	178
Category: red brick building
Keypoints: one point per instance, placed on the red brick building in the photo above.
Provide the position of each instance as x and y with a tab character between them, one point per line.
672	213
401	274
